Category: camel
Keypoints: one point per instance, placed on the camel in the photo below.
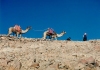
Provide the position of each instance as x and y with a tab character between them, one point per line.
53	36
12	30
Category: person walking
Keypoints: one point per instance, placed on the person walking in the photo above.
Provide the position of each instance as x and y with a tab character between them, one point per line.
85	37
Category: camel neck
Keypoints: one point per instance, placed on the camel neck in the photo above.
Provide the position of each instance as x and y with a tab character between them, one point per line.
59	35
24	31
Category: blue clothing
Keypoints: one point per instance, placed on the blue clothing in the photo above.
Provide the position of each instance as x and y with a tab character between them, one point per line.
84	37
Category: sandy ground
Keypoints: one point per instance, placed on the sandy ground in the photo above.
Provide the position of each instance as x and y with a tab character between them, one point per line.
36	54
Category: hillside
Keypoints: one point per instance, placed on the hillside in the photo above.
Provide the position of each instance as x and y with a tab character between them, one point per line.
35	54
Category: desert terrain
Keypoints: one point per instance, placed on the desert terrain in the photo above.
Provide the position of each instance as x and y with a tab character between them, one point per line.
38	54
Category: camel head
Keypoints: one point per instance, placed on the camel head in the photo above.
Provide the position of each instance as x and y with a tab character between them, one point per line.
64	32
29	27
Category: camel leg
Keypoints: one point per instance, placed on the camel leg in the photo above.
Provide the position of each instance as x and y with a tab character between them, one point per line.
55	38
50	37
44	36
17	34
13	34
20	35
9	33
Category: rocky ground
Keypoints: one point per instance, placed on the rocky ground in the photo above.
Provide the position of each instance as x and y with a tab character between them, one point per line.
36	54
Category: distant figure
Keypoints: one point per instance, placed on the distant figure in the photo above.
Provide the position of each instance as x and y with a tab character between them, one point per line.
85	37
68	39
51	31
17	28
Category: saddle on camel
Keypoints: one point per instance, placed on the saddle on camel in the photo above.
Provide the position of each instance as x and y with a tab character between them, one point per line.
17	28
50	31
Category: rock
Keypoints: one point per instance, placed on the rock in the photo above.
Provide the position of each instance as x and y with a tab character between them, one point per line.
83	61
35	65
14	65
90	60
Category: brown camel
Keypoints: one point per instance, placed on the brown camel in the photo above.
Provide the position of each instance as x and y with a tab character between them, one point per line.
55	35
12	30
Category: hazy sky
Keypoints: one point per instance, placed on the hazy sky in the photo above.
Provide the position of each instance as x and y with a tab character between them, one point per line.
73	16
